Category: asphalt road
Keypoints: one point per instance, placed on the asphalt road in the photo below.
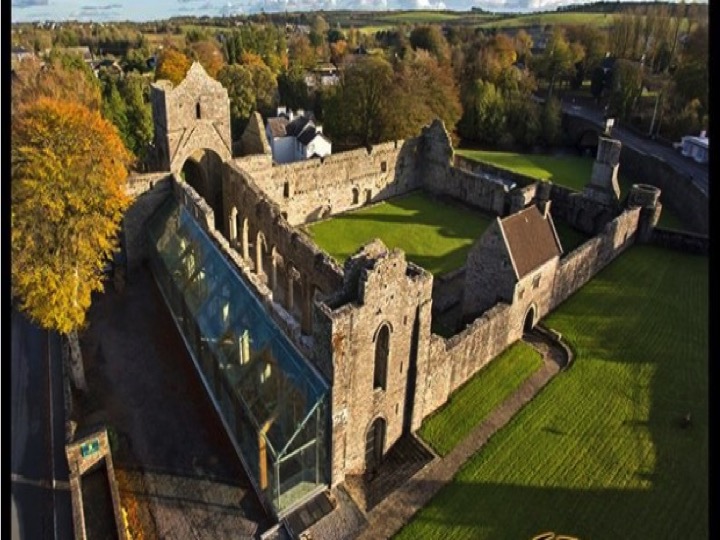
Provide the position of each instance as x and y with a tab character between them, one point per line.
674	158
40	499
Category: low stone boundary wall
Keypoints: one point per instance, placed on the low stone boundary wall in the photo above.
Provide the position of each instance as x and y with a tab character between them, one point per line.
681	241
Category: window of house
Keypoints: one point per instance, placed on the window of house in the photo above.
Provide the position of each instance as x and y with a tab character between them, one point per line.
521	293
536	282
383	166
197	110
286	190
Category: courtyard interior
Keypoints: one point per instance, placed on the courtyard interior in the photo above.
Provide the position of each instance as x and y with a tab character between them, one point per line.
434	234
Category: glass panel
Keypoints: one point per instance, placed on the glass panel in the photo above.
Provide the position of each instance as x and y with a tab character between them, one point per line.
273	402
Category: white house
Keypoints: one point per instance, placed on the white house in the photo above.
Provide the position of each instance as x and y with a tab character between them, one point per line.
696	147
295	136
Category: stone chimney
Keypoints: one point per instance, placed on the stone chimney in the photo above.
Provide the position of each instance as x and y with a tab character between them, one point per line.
318	129
281	111
703	133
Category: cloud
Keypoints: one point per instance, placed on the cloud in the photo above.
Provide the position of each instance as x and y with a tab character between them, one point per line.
106	7
28	3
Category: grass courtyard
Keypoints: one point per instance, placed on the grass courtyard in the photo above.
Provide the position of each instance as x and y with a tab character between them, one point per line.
600	453
569	171
434	235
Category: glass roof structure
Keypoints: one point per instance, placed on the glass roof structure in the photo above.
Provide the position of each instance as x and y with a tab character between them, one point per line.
273	403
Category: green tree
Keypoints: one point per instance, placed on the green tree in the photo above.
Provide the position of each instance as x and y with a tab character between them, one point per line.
69	169
484	113
238	80
135	90
430	38
354	112
551	121
557	61
625	88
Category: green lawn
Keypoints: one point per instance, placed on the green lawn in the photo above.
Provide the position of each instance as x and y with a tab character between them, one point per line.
601	20
470	404
569	171
600	453
433	235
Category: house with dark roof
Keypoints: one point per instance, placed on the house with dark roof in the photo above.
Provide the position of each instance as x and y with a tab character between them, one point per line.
294	136
514	262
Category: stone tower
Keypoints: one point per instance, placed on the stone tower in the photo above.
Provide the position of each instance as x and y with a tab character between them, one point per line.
647	197
191	117
374	335
603	185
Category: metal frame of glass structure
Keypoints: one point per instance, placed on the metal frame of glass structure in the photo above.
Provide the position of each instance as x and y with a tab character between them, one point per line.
273	403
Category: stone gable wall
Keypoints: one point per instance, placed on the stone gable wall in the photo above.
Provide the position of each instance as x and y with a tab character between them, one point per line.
178	130
489	273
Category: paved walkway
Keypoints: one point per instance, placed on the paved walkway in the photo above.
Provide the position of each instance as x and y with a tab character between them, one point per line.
389	516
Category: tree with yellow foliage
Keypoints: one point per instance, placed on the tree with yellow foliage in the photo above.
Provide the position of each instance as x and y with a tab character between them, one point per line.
69	168
173	65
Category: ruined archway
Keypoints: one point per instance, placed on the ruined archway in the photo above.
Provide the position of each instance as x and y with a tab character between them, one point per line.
202	170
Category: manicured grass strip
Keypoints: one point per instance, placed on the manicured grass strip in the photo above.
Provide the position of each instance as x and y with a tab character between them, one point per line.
470	404
434	235
569	171
600	453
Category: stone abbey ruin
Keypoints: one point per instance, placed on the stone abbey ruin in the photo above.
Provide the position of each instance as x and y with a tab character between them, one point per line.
316	370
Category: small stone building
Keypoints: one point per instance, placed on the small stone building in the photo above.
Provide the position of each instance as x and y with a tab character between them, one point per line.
514	260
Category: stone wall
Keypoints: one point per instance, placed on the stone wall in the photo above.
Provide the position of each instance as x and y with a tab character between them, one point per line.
680	195
313	189
473	189
681	241
453	361
578	267
148	192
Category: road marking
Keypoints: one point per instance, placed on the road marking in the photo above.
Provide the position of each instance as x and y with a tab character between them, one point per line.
45	484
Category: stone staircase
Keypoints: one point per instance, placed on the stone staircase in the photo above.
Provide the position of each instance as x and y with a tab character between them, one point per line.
407	456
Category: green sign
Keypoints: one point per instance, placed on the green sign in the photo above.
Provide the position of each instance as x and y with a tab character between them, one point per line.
89	448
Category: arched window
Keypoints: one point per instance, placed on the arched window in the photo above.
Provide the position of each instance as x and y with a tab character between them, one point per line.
382	352
374	445
197	110
356	195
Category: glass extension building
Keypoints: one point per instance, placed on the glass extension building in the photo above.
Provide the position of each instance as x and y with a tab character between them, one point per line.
272	402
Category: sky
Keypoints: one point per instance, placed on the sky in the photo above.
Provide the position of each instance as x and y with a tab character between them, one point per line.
144	10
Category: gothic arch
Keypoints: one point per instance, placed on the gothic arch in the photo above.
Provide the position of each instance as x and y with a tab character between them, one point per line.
529	321
382	355
375	444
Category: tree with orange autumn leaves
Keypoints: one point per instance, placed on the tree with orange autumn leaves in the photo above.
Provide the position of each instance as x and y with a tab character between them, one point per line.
172	65
69	168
